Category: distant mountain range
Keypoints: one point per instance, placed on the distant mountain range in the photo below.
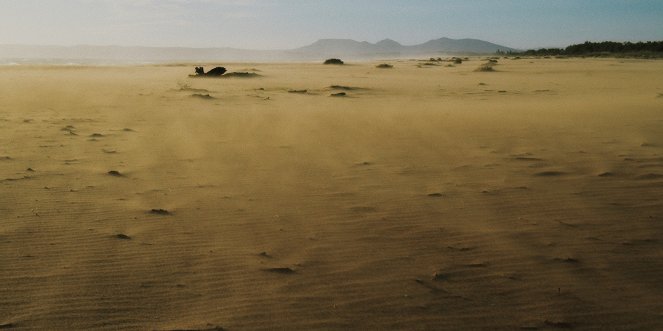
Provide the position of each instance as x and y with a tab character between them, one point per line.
321	49
348	47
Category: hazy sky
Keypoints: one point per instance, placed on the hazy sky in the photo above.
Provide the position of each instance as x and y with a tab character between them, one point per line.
280	24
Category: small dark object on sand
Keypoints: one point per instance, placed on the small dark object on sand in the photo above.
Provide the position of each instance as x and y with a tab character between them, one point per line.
298	91
568	260
96	135
384	66
282	270
122	236
340	94
345	88
30	170
208	328
159	212
333	61
218	71
115	173
435	195
240	74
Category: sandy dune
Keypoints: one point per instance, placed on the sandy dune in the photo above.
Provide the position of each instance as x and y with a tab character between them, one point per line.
427	198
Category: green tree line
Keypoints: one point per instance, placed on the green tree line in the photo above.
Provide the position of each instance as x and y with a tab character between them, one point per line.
604	47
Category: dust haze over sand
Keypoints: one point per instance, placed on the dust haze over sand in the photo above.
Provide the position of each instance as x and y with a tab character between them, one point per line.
429	197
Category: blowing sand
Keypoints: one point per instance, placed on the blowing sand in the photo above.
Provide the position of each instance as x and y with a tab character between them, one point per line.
426	198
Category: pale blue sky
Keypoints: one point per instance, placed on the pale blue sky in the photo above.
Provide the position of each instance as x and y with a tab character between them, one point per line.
281	24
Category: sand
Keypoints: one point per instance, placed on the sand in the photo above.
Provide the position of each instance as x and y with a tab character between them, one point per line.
426	198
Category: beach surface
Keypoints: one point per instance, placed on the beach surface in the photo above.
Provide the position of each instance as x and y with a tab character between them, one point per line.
428	197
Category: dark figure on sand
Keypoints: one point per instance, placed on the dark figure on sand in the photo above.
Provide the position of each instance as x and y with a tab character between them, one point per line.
218	71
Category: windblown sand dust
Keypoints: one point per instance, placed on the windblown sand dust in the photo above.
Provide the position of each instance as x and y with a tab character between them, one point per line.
427	198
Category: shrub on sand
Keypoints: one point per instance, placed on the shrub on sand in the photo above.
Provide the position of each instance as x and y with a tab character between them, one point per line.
333	61
486	67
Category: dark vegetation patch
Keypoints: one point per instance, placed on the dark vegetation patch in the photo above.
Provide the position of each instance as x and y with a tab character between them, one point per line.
647	49
486	67
160	212
334	61
241	74
280	270
345	88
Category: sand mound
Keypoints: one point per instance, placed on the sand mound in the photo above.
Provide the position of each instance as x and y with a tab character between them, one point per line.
202	96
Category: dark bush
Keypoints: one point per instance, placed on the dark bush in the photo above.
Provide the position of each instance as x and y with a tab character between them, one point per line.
486	67
333	61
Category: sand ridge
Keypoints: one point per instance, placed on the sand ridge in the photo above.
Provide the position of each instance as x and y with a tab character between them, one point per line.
428	198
